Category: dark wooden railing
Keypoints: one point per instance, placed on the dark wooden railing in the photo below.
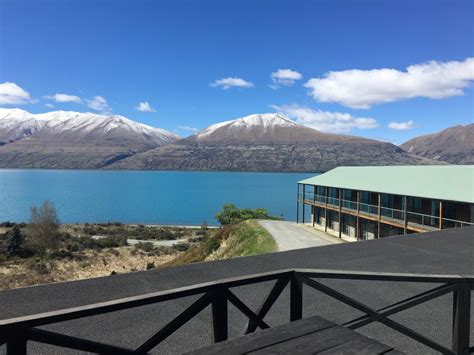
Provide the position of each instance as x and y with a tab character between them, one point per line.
16	332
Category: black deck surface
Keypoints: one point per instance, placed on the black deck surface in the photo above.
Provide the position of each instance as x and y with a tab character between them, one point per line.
313	335
445	252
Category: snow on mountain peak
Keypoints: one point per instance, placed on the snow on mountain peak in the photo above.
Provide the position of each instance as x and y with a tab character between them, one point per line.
17	124
265	120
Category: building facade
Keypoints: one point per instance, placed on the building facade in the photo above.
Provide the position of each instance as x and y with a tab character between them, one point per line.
361	203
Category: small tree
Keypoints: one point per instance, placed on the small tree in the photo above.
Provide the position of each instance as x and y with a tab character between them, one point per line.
15	242
228	215
42	232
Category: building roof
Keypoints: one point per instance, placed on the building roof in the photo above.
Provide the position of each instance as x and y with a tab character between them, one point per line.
444	182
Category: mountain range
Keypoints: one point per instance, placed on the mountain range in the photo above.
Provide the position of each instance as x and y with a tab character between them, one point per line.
72	140
267	142
454	145
260	142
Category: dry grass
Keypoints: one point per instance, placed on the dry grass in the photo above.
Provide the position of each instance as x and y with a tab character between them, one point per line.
91	263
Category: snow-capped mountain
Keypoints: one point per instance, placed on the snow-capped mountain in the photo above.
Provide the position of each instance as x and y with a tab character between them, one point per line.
263	122
267	142
72	140
266	128
17	124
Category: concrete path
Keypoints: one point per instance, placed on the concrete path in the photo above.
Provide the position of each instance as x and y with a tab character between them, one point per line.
290	235
156	243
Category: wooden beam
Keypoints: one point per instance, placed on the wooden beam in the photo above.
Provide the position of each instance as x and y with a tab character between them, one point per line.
340	212
440	214
326	209
297	202
304	192
358	212
379	216
405	213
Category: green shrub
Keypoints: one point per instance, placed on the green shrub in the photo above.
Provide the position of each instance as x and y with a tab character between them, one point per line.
231	214
181	246
15	242
145	246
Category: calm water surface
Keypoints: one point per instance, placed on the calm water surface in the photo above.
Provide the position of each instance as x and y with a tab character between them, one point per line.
166	197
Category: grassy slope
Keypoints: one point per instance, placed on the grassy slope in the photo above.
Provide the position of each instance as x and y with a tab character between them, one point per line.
243	239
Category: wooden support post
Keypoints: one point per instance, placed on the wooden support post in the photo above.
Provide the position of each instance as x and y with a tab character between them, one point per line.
297	202
440	214
357	218
296	298
16	345
340	212
405	208
379	217
326	209
314	201
220	315
461	319
304	193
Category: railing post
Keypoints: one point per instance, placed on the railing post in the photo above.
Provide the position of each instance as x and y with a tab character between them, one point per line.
461	318
326	209
405	214
440	215
220	315
297	202
340	212
296	297
16	344
303	207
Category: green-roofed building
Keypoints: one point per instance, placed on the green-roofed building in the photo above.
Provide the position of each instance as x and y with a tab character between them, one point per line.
375	202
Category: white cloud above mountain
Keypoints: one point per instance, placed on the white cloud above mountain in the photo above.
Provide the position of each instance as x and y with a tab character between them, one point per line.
64	98
325	121
145	106
188	128
228	83
284	77
99	103
362	89
401	126
12	94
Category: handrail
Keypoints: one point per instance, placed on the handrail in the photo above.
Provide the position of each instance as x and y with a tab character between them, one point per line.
17	331
373	209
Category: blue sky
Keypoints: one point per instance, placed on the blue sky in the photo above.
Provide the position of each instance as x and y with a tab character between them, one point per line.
178	56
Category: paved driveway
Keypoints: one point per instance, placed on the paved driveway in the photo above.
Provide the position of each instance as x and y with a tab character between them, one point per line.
290	235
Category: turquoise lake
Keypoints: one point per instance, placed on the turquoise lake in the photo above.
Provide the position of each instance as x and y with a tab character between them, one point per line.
162	197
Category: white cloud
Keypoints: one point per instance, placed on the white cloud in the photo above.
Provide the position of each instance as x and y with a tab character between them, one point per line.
365	88
286	77
401	126
12	94
227	83
188	128
99	103
49	105
64	98
324	121
145	107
